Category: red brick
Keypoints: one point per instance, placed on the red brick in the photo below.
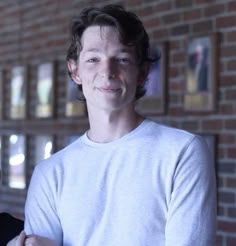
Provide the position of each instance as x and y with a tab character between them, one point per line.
231	8
231	182
231	152
226	197
230	124
225	225
178	57
213	10
183	3
177	86
219	240
226	108
231	36
226	138
180	30
225	21
193	14
160	34
203	26
153	22
163	6
191	125
174	44
231	240
221	211
213	125
228	51
204	1
231	65
176	111
230	94
227	80
171	18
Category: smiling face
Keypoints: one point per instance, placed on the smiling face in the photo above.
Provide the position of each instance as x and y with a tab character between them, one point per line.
107	70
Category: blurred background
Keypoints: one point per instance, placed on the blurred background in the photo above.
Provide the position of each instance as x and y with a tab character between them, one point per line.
193	87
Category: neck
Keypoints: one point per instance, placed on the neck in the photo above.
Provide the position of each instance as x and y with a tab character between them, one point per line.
109	126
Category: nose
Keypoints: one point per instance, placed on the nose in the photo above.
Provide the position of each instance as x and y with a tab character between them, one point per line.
108	69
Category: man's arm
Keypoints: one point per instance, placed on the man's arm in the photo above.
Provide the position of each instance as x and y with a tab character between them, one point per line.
191	218
41	216
33	240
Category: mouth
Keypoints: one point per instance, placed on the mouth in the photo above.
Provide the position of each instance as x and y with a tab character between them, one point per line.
109	90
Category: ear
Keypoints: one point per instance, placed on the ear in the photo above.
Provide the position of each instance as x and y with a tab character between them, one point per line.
73	68
144	70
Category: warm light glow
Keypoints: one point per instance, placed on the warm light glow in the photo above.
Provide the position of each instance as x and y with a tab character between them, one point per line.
13	139
16	160
48	149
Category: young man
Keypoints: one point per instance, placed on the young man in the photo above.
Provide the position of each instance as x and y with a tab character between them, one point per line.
127	180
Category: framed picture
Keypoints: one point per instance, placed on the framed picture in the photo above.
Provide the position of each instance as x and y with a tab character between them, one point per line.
16	167
43	147
201	74
18	93
154	101
74	107
45	91
1	94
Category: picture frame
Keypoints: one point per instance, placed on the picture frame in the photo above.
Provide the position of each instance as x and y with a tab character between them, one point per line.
16	163
154	102
45	90
201	73
44	146
18	93
74	107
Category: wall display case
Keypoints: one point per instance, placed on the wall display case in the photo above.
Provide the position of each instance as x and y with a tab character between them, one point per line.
155	101
201	74
74	107
43	147
16	164
45	90
18	93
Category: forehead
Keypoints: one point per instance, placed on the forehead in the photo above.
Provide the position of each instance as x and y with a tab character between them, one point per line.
102	37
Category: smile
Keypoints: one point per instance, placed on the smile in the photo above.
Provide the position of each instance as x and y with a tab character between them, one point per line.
109	90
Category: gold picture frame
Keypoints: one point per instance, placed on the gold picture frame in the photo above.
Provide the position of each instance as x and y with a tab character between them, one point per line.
16	163
154	101
201	74
44	145
74	107
18	93
45	90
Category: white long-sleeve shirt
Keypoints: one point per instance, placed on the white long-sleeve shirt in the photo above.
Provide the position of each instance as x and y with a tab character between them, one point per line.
153	186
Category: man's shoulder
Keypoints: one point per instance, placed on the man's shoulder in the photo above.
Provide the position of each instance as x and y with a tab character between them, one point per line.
57	159
168	132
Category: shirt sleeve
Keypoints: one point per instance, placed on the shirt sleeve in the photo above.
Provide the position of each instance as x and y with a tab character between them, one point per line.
40	210
191	219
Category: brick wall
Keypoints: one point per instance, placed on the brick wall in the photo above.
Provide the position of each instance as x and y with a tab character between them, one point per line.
36	31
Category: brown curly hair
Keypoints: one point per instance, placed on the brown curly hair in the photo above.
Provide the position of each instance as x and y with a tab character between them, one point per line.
129	26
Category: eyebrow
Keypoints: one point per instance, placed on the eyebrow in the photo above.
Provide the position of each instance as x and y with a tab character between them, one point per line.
123	50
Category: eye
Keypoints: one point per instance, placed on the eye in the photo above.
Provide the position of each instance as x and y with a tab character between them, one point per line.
123	60
92	60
